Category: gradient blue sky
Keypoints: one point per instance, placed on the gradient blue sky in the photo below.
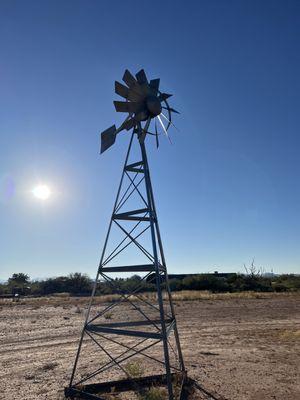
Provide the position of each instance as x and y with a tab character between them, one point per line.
227	190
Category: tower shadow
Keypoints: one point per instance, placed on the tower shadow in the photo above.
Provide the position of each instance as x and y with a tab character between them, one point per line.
193	388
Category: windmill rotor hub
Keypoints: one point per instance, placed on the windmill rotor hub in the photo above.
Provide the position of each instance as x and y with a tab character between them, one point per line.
142	115
153	105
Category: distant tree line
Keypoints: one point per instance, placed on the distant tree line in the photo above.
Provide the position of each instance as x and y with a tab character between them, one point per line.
237	283
79	284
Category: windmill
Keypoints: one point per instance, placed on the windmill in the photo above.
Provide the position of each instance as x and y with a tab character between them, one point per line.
131	343
144	103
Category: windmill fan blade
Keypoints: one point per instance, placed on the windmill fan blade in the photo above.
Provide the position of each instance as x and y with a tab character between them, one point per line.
126	106
141	77
121	90
164	96
136	93
130	123
154	84
146	89
136	106
164	128
134	96
171	109
169	122
108	138
121	106
156	134
128	78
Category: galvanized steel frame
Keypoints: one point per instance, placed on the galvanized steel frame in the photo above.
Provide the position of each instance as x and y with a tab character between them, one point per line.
156	266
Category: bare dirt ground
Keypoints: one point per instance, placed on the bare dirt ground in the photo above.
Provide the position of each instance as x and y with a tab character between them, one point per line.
236	348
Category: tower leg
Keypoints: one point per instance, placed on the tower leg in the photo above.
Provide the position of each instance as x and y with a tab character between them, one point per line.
153	219
163	260
100	263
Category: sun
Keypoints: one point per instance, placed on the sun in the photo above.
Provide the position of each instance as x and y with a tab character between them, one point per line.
41	192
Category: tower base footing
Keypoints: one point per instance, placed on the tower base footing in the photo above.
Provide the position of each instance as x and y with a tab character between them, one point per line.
95	391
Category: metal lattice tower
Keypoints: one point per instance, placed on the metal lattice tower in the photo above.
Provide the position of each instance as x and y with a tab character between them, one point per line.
131	342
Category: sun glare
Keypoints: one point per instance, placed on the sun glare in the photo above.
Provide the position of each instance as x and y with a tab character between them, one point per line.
41	192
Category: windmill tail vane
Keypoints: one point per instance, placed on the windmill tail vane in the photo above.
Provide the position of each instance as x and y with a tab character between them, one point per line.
130	343
145	104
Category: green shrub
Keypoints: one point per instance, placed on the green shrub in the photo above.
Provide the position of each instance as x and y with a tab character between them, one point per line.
134	369
154	393
108	315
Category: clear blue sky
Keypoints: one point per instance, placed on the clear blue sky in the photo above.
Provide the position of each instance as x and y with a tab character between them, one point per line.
227	190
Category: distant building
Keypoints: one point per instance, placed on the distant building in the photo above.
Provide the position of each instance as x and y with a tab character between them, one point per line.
180	277
269	274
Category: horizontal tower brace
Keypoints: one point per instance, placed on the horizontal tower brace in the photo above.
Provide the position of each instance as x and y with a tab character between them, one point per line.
124	332
130	218
133	165
133	212
132	323
132	169
132	268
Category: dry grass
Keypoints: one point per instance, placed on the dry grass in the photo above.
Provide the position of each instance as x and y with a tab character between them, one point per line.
290	335
77	310
49	366
154	393
206	295
185	295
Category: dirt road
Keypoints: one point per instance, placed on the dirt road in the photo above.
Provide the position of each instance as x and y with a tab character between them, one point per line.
237	349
